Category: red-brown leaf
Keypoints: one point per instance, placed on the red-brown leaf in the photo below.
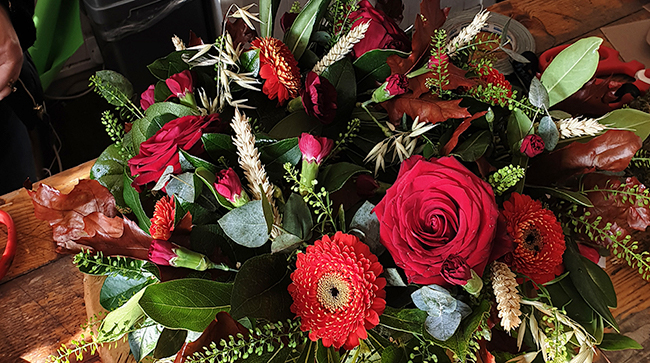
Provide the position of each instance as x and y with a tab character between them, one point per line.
220	328
630	212
453	141
431	17
611	151
240	32
429	107
456	78
86	219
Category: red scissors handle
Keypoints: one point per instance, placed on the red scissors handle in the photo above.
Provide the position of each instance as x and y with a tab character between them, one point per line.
10	249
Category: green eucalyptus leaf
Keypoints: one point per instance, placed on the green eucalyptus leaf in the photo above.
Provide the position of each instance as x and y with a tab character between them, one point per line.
474	147
186	303
297	37
183	187
246	225
132	200
169	343
260	289
538	95
334	176
571	69
613	341
568	195
285	242
295	124
628	119
297	217
549	133
341	75
109	170
268	10
175	109
366	221
371	67
143	341
118	289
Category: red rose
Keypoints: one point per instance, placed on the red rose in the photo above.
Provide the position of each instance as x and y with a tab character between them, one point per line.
532	145
455	270
319	98
435	209
382	33
161	150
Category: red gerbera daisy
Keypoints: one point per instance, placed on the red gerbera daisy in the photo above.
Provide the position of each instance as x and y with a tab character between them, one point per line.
337	292
162	223
279	68
538	237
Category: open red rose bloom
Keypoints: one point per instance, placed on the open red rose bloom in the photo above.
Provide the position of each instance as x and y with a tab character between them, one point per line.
337	291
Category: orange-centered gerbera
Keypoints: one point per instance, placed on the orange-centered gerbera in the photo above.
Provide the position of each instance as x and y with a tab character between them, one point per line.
538	237
162	223
337	292
279	68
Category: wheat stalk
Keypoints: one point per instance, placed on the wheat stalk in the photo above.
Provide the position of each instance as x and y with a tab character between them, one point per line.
508	299
469	32
576	126
341	48
249	160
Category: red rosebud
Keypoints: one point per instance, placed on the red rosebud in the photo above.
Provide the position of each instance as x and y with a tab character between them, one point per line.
229	186
532	145
180	83
397	84
162	252
455	270
319	98
382	33
314	148
147	97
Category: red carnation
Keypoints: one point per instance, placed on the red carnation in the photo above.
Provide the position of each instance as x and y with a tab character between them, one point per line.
279	68
319	98
336	291
162	223
538	237
532	145
161	150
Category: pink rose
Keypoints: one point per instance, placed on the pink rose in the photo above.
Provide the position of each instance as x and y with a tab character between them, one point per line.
382	33
532	145
314	148
435	209
319	98
147	97
161	150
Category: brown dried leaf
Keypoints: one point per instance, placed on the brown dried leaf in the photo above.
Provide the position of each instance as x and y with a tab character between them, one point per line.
453	141
611	151
429	107
240	32
456	77
86	219
220	328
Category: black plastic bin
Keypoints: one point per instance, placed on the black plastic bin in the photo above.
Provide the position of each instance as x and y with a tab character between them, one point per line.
131	34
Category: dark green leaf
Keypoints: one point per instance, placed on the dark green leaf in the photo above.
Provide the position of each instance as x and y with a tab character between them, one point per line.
537	94
132	200
295	124
143	341
514	55
197	162
109	170
218	145
208	178
519	125
246	225
326	355
308	354
410	320
260	289
268	10
267	209
171	64
371	68
274	156
140	129
394	354
341	75
161	92
169	343
613	341
188	304
117	82
568	195
157	122
250	61
118	289
297	217
571	69
549	133
334	176
474	147
602	280
297	37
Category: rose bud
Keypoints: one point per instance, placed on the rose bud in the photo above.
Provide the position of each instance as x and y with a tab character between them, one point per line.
147	97
395	85
180	84
319	98
314	149
532	145
165	253
456	271
229	186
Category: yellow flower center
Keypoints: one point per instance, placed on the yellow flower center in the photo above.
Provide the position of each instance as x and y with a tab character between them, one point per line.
333	291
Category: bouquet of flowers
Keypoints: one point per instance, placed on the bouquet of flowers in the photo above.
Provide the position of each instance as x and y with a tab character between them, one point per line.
353	193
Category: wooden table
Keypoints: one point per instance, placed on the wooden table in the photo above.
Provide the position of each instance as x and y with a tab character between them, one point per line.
41	298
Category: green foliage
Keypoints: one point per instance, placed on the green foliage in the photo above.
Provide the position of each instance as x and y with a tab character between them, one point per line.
117	91
109	170
319	201
371	67
266	339
439	67
297	37
115	131
641	159
505	178
338	18
351	132
98	264
246	225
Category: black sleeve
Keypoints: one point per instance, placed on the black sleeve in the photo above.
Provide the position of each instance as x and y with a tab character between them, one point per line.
21	12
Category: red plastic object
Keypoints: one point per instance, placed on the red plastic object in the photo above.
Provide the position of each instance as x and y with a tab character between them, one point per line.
10	249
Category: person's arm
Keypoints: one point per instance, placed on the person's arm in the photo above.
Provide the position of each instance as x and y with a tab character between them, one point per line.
11	54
